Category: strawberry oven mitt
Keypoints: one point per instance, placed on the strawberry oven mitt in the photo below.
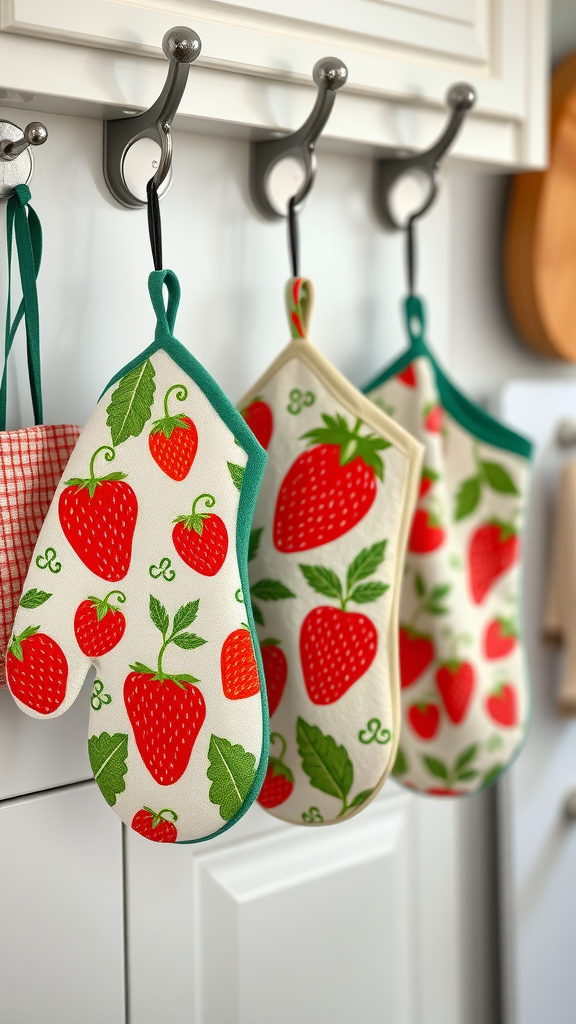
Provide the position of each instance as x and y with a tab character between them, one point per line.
150	526
326	558
465	700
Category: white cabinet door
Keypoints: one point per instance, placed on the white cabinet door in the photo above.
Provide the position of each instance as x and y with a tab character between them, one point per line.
61	916
539	859
36	755
358	922
402	56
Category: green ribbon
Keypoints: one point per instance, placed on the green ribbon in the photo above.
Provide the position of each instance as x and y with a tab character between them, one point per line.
22	222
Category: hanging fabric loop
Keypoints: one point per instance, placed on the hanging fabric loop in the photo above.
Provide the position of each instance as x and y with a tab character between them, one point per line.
165	316
294	237
154	223
23	223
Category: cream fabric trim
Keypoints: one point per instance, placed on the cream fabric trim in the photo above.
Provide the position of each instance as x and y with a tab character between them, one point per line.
363	408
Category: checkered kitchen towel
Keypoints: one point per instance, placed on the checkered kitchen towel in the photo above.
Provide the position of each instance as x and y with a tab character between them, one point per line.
31	464
31	460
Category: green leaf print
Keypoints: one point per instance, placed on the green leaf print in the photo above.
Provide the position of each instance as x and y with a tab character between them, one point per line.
368	592
270	590
437	768
467	498
237	474
159	615
108	756
185	615
361	798
231	772
498	478
34	598
401	763
365	563
323	580
465	757
254	542
131	403
327	765
188	641
257	613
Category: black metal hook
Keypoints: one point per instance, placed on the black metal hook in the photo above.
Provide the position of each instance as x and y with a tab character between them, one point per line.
182	46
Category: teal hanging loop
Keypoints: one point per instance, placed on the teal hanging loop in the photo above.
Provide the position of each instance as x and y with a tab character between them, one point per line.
23	222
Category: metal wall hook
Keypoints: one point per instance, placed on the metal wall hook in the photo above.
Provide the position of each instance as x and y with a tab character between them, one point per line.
182	46
460	99
329	75
16	160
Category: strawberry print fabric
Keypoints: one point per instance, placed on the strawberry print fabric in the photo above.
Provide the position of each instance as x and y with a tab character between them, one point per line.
31	464
325	560
465	699
149	526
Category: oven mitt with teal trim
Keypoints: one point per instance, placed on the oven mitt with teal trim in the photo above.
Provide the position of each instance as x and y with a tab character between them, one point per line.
139	570
325	565
465	699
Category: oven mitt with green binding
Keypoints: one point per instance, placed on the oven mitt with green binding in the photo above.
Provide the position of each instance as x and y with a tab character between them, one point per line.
139	570
465	700
326	558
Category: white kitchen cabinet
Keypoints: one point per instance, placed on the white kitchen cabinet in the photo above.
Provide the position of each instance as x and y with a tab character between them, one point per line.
257	59
61	910
37	755
357	922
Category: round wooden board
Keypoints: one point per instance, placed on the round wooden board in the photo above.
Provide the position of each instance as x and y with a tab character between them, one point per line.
540	242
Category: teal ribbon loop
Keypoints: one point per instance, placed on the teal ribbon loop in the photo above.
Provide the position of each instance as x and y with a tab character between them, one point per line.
22	222
165	316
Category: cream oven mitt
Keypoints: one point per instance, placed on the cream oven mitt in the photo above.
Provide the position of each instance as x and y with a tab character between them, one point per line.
326	560
465	699
150	526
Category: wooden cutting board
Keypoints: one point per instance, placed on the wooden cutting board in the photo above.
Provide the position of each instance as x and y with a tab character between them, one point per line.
540	242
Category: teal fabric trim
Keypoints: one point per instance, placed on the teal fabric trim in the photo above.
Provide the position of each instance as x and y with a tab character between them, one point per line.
469	415
28	233
257	458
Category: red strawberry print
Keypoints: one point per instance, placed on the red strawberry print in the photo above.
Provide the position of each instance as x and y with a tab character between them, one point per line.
438	791
279	780
502	705
37	671
98	517
424	719
408	376
201	538
433	418
173	440
456	682
238	666
500	639
275	672
493	550
427	533
166	712
416	652
99	625
328	489
153	825
427	481
258	416
337	646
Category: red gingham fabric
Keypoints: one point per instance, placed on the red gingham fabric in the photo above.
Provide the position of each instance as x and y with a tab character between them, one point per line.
32	462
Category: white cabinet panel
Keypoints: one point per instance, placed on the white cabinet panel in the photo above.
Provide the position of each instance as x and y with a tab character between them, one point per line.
61	916
37	755
540	855
356	922
401	58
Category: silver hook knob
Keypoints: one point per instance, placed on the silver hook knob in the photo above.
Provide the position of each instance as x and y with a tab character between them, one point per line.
34	134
